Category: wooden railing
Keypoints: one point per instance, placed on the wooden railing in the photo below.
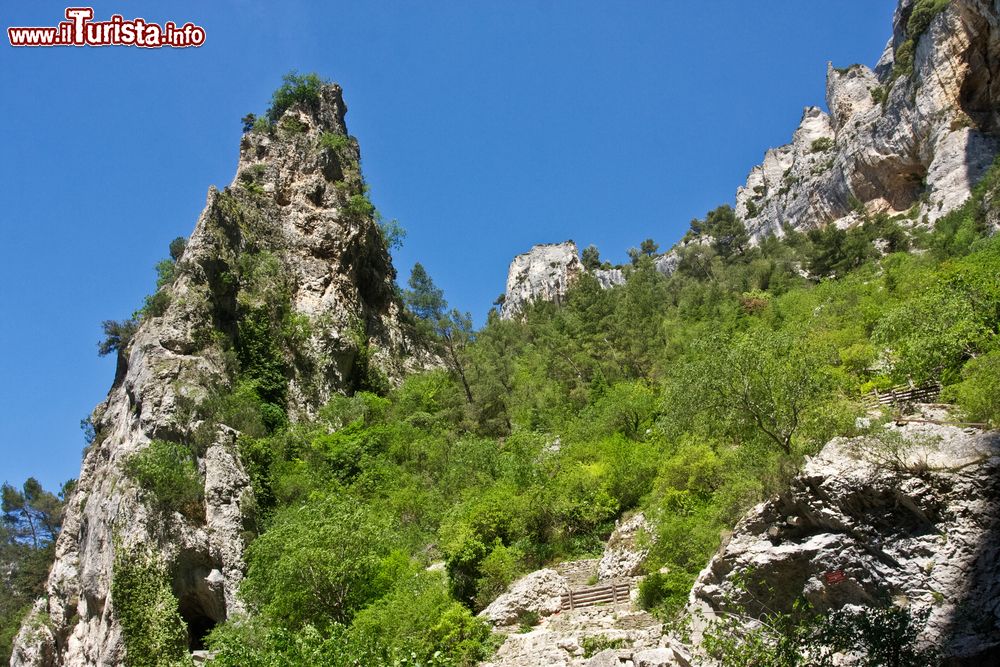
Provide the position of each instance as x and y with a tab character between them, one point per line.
925	393
612	593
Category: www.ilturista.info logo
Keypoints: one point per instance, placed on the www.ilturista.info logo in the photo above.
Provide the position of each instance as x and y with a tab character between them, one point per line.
80	30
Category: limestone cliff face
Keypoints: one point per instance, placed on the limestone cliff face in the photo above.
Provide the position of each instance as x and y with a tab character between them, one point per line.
908	143
545	273
293	212
862	525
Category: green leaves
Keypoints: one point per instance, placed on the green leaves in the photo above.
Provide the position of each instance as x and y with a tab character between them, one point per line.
295	88
930	336
319	563
759	384
168	474
146	608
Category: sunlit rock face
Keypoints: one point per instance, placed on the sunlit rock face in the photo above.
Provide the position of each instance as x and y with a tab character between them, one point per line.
544	273
913	144
294	206
863	525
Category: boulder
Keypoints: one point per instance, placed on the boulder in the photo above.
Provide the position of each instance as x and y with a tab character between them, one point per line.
625	551
540	592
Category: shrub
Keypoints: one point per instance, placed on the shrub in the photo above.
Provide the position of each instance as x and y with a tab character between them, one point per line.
880	95
156	304
923	13
319	563
902	65
977	393
167	472
359	206
821	145
301	89
526	620
146	608
117	335
293	125
497	571
659	588
262	125
333	141
177	247
593	645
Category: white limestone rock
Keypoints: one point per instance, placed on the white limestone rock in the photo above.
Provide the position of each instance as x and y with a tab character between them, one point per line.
853	530
543	273
338	275
540	592
626	549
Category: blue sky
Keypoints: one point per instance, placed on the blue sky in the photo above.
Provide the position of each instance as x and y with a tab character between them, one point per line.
485	127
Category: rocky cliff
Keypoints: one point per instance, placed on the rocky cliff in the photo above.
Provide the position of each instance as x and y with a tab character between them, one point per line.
908	138
286	270
913	520
546	272
902	138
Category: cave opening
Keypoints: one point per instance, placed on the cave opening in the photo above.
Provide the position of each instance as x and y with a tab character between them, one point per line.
197	622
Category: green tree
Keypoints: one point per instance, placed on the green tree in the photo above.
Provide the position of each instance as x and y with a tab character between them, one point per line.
177	247
295	89
761	382
320	562
452	328
729	234
591	258
32	513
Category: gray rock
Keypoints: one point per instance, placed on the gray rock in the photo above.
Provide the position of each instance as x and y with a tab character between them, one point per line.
625	551
859	524
540	592
338	275
926	145
655	657
543	273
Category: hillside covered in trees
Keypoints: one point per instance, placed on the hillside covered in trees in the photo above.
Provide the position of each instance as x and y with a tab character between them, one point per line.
307	460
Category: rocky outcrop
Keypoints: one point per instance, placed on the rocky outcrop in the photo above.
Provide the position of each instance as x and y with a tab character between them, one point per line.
908	143
617	636
292	229
626	549
540	592
545	273
914	520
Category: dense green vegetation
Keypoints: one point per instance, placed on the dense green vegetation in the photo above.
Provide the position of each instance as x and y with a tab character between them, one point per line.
152	629
30	522
383	524
689	397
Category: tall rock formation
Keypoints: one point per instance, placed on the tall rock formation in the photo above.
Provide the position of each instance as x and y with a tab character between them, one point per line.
899	139
894	141
546	273
287	271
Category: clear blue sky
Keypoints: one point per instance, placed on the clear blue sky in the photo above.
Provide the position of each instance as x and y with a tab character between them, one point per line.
485	127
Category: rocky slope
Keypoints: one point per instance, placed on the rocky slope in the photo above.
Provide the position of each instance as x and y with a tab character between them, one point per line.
605	635
893	142
290	238
916	524
907	144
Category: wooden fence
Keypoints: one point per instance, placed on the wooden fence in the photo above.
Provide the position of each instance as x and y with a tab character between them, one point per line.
925	393
612	593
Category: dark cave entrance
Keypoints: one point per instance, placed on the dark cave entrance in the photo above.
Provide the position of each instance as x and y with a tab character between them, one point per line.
196	620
